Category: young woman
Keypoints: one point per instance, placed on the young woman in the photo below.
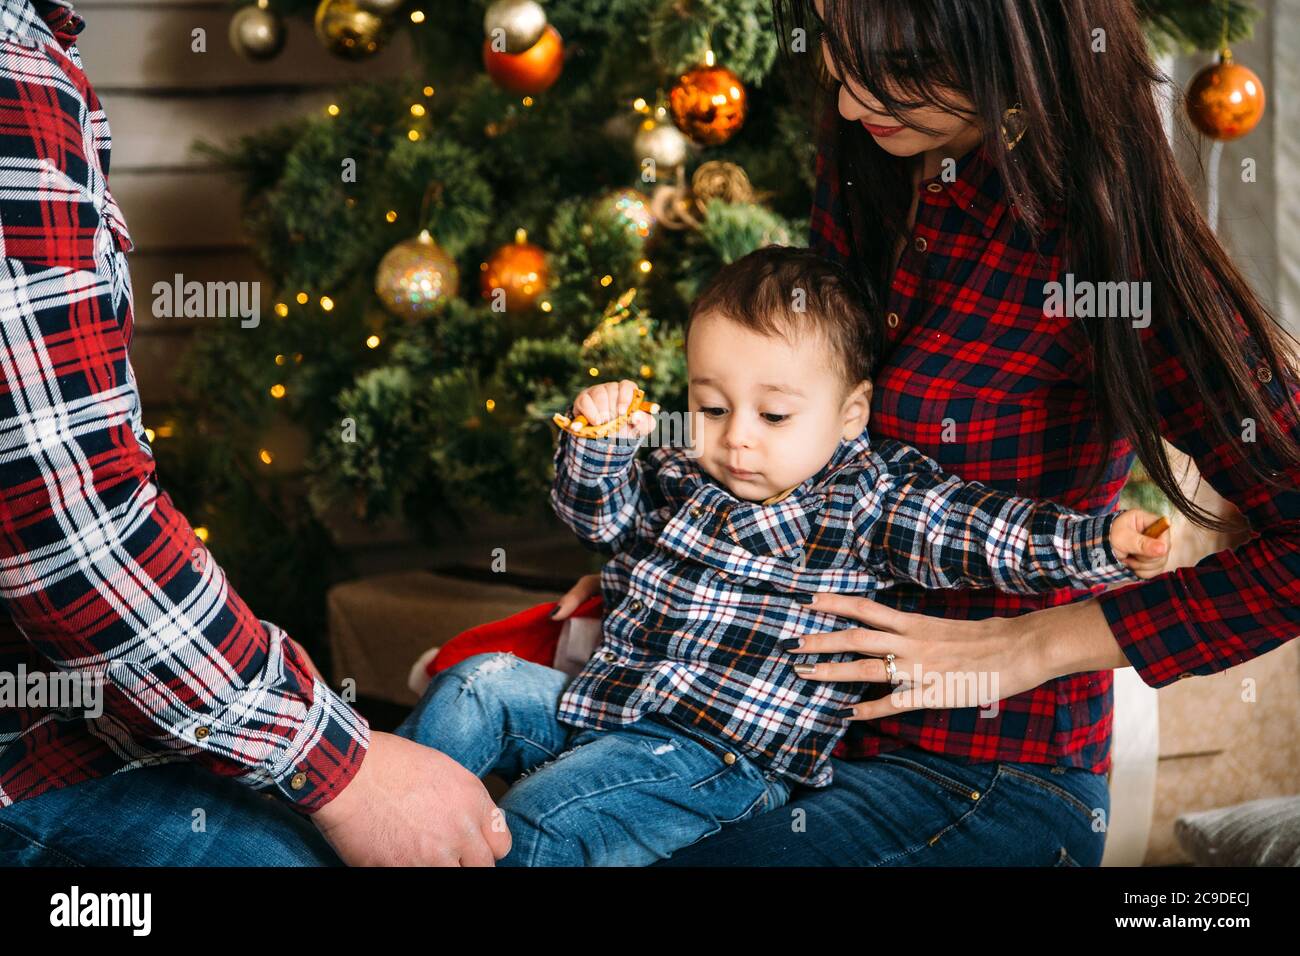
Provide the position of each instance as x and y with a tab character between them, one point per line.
978	152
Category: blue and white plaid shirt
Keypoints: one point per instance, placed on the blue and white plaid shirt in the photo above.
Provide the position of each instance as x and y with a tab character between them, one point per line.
703	585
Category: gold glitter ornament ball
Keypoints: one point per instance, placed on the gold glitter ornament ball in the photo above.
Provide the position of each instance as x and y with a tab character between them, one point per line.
629	208
416	278
348	30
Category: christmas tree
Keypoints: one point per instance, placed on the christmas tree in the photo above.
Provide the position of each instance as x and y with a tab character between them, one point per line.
455	255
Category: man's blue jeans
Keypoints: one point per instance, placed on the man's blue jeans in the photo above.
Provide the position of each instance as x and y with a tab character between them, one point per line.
177	814
580	797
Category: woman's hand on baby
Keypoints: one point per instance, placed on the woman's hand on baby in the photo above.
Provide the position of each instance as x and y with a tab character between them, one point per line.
1145	557
607	401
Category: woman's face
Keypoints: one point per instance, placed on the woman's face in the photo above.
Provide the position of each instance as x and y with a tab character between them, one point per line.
857	105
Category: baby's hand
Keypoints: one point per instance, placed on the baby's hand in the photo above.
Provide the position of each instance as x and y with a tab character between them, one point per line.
1145	557
608	400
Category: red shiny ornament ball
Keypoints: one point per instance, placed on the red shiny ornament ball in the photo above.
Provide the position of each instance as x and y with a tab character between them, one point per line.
520	269
530	72
1225	100
708	104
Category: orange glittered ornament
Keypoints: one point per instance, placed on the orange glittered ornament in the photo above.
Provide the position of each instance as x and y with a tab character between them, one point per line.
708	104
519	269
1225	100
530	72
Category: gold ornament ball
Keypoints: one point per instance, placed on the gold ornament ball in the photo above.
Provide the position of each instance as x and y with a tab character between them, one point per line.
347	30
256	33
1225	100
416	278
381	8
519	268
629	208
520	23
708	104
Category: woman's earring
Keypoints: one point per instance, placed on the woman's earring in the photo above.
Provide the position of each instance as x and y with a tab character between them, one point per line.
1014	126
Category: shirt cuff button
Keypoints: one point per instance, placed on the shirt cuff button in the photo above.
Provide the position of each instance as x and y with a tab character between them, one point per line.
298	780
202	733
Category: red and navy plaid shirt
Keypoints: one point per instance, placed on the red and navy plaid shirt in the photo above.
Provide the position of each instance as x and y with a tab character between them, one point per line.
704	586
100	573
968	342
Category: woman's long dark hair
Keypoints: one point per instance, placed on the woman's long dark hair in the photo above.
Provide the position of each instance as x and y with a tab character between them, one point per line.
1095	153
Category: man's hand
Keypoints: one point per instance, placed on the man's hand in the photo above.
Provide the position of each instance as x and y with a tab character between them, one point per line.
411	805
1145	557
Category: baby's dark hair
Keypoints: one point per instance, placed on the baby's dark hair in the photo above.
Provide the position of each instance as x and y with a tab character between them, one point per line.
787	291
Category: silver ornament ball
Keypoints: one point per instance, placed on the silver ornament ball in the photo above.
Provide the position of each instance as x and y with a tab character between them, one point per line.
521	23
662	142
256	33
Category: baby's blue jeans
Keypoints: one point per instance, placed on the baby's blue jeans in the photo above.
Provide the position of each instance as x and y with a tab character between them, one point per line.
621	797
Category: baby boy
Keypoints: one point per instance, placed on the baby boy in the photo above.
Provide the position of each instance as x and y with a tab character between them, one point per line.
689	716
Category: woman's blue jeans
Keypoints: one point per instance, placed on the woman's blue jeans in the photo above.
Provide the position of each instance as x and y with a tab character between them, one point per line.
905	808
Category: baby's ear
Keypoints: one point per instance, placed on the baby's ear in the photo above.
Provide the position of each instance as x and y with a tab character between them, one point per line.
857	409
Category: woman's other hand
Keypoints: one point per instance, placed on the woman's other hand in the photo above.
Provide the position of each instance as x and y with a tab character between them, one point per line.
588	586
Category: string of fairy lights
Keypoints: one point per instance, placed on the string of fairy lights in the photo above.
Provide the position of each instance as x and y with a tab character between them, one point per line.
708	102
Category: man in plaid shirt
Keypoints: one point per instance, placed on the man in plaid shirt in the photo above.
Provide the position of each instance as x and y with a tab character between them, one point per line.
716	550
102	578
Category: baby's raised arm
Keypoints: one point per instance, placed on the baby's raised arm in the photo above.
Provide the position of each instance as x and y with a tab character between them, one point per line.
600	486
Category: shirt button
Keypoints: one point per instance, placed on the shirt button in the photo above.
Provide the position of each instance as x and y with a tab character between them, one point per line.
1264	374
696	511
202	733
934	188
920	244
1185	674
728	759
609	657
298	780
892	319
636	605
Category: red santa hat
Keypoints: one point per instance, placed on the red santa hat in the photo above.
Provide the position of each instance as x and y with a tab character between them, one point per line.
532	634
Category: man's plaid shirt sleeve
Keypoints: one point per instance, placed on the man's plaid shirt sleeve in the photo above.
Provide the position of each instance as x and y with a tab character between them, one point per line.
98	569
923	525
600	488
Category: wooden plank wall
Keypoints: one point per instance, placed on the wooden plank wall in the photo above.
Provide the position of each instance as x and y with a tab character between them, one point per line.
161	97
184	214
